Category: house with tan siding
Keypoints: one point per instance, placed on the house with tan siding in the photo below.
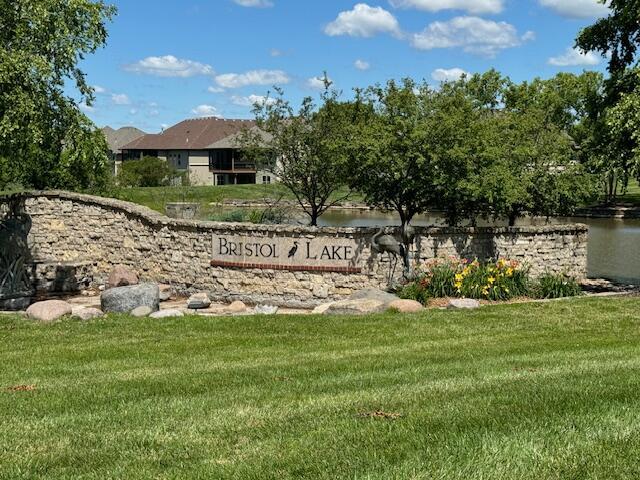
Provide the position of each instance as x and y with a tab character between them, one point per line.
204	147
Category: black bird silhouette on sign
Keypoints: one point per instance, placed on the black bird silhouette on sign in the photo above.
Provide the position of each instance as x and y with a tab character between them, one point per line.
293	250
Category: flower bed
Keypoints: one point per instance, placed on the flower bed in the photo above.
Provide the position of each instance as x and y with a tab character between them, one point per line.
501	280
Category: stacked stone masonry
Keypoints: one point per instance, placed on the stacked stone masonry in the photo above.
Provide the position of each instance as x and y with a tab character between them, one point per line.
70	227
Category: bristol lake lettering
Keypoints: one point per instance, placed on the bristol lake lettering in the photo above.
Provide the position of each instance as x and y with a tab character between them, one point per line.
286	253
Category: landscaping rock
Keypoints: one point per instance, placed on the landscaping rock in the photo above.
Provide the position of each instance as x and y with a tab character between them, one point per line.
463	303
86	313
406	306
165	292
49	311
15	304
374	294
169	313
122	276
322	309
125	299
198	301
356	307
265	310
140	312
236	307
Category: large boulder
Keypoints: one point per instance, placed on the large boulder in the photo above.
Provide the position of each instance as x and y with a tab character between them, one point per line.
406	306
49	311
126	299
374	294
356	307
122	276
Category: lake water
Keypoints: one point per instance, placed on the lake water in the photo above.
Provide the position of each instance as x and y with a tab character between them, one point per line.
614	244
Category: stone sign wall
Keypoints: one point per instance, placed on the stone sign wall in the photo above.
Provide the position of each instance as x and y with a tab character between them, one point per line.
274	252
280	265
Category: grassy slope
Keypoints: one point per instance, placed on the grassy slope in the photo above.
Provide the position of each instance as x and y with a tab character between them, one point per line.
528	392
155	198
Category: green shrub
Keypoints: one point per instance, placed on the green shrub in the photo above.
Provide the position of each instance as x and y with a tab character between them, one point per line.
453	277
150	172
269	216
234	216
414	291
553	285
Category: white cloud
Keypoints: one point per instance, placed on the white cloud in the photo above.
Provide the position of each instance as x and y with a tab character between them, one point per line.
169	66
362	65
573	57
120	99
98	89
276	53
317	83
448	75
254	3
215	89
472	34
363	21
85	108
254	77
206	111
475	7
133	111
252	100
576	8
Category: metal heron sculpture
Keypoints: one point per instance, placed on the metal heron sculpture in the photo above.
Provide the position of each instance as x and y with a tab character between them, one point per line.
384	243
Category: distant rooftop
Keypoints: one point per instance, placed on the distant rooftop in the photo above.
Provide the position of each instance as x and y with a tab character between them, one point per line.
117	138
192	134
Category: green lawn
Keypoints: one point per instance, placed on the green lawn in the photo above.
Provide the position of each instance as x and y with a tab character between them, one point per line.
541	391
155	198
633	193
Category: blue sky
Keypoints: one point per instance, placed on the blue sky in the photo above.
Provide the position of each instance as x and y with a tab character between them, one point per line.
170	60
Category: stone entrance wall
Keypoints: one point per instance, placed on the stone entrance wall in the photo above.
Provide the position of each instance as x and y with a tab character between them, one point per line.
328	263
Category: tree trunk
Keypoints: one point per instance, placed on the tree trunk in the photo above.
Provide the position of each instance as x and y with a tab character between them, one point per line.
314	216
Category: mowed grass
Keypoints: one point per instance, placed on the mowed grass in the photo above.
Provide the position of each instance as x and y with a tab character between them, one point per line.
539	391
633	193
156	197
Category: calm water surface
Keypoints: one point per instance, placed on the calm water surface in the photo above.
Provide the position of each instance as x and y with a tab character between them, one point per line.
614	244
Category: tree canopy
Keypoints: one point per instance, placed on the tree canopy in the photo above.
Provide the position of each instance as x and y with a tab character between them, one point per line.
45	139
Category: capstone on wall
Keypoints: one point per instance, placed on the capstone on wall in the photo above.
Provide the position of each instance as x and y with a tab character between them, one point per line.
255	263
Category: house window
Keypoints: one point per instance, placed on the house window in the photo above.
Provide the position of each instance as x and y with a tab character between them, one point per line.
221	159
266	179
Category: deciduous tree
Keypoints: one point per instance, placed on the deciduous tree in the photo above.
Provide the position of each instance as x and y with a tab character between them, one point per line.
303	147
42	43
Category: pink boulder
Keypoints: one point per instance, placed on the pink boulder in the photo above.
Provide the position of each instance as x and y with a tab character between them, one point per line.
406	306
122	276
49	311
